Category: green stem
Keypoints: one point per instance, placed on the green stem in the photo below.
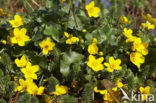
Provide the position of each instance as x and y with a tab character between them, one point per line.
74	15
29	5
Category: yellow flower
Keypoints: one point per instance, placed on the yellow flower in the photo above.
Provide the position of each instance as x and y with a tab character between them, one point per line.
113	64
4	42
47	45
94	40
3	13
92	10
33	89
93	49
137	58
21	62
19	36
148	26
154	39
23	84
71	39
40	90
15	78
99	91
140	47
154	21
49	99
29	71
30	86
0	57
108	97
101	53
127	32
119	83
148	17
63	1
60	90
84	30
131	39
95	64
125	20
18	21
145	92
96	89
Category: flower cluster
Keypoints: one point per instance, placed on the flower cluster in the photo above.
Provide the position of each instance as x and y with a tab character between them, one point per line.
139	48
29	72
18	36
150	19
96	64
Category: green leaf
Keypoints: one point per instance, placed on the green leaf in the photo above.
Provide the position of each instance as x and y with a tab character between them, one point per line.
53	32
67	60
68	99
52	83
24	98
7	63
34	99
2	101
88	93
48	3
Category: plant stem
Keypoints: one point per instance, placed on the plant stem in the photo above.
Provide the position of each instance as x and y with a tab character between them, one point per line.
74	15
29	5
36	3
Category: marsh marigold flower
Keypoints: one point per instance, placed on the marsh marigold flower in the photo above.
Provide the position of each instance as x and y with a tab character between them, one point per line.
154	21
125	20
113	64
92	48
63	1
22	84
3	13
4	42
92	10
127	32
29	71
33	89
148	26
95	64
18	21
71	39
49	99
140	47
84	30
137	58
21	62
30	86
147	17
60	90
118	84
19	36
47	45
145	92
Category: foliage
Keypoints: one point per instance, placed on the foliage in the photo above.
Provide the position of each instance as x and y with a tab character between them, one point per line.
67	46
